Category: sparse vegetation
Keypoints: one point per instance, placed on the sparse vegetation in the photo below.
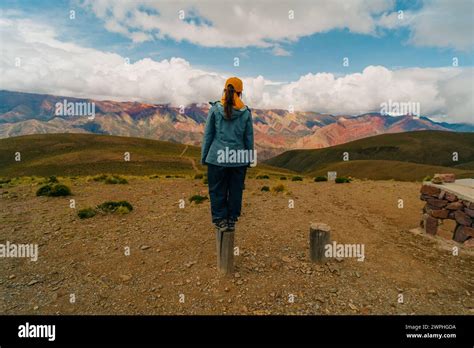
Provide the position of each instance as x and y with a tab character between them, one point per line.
115	179
198	176
265	189
53	180
121	207
279	188
101	177
427	178
53	190
198	199
122	210
86	213
282	177
262	177
5	180
320	178
297	178
110	179
154	177
342	180
204	181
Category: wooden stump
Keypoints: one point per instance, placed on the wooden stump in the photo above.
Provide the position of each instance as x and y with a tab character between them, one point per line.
225	252
319	236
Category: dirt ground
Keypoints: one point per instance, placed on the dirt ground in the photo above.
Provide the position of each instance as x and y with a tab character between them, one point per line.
171	268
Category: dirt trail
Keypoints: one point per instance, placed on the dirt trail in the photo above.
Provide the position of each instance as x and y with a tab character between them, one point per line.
191	160
172	253
184	151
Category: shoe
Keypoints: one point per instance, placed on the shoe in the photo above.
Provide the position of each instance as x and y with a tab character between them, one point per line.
221	225
231	225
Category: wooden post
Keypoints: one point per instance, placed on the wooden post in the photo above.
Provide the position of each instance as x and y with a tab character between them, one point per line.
225	252
319	236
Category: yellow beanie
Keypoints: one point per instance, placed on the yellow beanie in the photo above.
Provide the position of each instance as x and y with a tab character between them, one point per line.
238	87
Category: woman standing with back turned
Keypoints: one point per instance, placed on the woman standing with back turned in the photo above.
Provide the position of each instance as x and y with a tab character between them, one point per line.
227	150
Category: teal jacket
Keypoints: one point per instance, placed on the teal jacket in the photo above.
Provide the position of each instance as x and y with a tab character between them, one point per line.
228	143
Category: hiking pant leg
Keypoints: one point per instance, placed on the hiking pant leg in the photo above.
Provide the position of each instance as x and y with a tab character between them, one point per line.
218	183
236	187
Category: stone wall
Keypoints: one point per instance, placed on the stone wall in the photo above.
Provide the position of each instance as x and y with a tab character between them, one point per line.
441	204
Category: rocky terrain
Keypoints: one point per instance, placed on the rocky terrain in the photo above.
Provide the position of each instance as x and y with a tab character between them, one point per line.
171	268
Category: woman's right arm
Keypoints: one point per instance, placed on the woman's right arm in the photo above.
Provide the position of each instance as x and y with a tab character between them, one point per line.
208	135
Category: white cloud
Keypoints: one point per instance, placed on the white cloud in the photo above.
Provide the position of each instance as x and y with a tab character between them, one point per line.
438	23
49	65
266	23
439	91
444	23
239	23
277	50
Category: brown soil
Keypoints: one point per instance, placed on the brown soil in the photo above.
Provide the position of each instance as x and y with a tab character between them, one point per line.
173	253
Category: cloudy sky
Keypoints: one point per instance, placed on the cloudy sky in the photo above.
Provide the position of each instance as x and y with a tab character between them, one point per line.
333	56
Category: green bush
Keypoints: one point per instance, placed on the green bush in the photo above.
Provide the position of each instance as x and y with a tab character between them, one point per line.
320	178
168	176
101	177
278	188
342	180
427	178
265	189
5	180
262	177
86	213
297	178
282	177
60	190
110	179
44	190
53	180
122	210
112	207
154	177
198	176
198	199
115	179
53	191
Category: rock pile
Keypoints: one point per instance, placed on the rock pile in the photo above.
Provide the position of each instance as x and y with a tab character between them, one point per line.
441	204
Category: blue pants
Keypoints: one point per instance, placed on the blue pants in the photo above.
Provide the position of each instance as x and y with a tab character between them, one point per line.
225	190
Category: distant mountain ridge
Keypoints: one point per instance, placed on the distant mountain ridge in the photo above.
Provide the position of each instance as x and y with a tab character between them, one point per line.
276	130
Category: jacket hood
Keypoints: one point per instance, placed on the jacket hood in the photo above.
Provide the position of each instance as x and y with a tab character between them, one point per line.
219	109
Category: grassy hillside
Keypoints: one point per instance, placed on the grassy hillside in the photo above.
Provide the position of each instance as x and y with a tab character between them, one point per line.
89	154
387	170
428	148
